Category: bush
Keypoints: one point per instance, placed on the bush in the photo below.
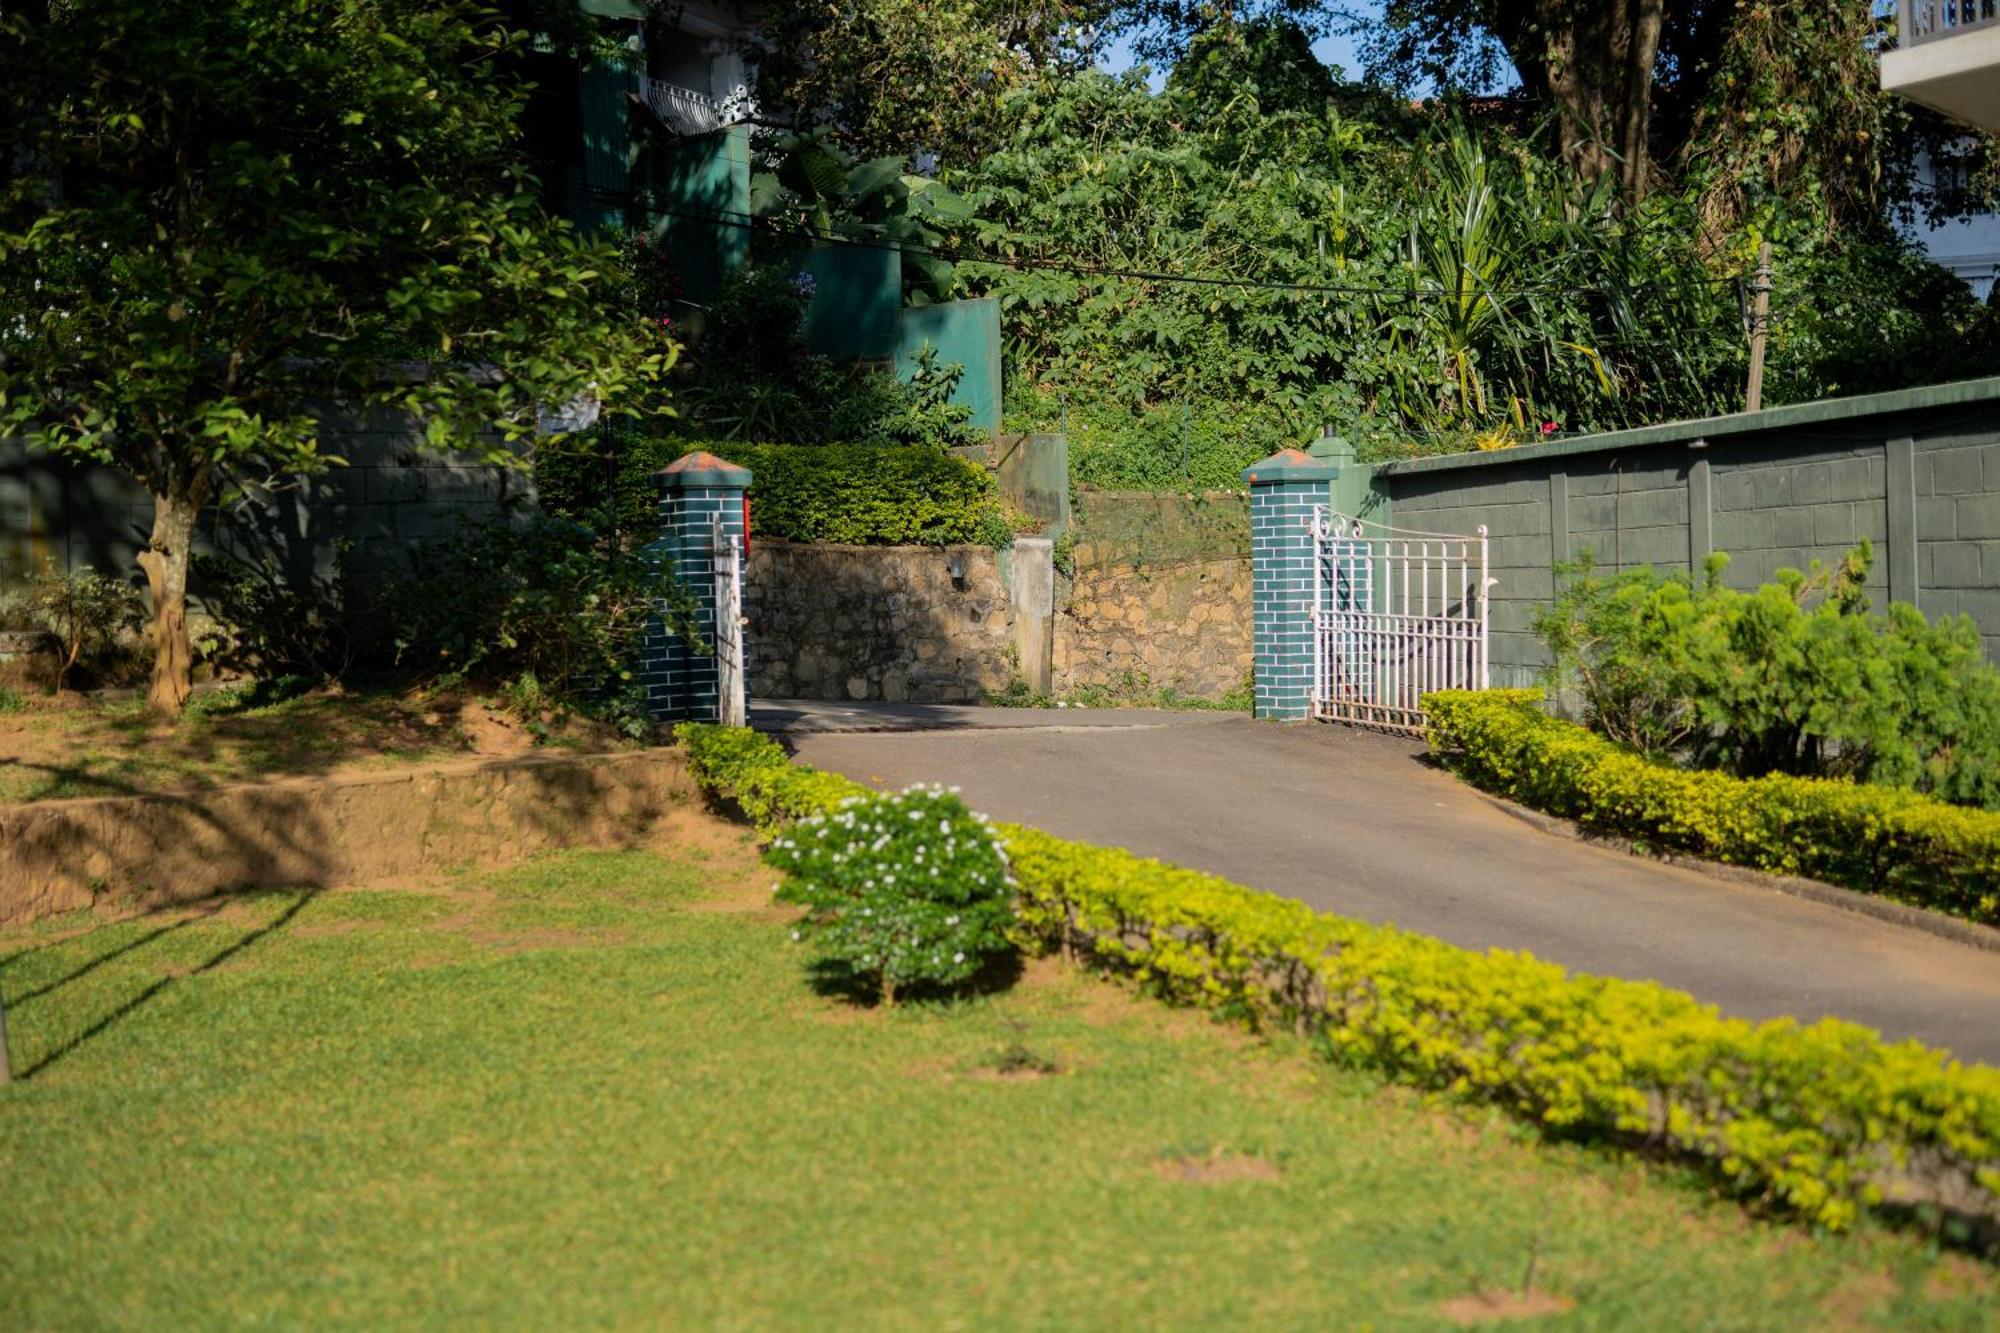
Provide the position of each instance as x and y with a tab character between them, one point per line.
1821	1120
751	376
873	495
542	597
1875	839
270	623
85	610
1795	678
900	891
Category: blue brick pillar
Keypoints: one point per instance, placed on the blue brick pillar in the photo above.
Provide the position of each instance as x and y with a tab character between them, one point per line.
1285	489
695	491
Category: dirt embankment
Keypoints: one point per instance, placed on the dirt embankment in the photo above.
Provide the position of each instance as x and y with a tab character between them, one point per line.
58	856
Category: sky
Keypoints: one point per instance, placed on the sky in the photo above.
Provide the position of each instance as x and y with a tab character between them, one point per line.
1336	50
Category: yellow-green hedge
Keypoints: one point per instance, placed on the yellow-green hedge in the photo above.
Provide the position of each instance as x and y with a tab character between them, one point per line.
1875	839
1822	1120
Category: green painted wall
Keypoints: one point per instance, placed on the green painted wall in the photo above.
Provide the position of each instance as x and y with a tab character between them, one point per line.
1915	473
858	292
702	184
965	333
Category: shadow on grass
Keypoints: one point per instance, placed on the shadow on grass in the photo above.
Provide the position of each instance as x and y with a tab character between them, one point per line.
299	898
835	980
201	914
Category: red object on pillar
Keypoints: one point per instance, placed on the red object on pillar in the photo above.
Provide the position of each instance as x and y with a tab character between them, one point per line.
746	525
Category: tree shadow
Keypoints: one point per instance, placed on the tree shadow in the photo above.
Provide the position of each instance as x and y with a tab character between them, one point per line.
153	990
833	980
108	955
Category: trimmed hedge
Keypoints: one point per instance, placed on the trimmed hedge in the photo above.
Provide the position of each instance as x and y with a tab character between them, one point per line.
1821	1120
865	494
1879	840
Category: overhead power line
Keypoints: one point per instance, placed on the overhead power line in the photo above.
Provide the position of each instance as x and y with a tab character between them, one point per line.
1080	268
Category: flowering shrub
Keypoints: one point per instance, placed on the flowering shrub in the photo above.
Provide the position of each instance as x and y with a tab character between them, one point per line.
902	890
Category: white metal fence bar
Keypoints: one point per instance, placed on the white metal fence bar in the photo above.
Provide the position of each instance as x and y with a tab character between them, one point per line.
1396	616
731	703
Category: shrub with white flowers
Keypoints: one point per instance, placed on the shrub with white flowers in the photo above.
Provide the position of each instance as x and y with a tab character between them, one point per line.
901	890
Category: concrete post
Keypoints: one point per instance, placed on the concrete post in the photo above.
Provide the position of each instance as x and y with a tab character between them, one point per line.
1030	570
700	495
1285	489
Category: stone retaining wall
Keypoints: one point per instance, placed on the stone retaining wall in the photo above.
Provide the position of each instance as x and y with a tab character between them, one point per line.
147	851
1159	597
924	624
1183	627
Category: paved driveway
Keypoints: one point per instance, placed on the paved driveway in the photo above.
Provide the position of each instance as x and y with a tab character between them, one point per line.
1356	823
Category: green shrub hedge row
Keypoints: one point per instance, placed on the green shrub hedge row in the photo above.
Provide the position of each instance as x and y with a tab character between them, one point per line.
865	494
1879	840
1822	1120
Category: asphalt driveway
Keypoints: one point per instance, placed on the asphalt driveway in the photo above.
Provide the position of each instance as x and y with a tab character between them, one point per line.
1357	823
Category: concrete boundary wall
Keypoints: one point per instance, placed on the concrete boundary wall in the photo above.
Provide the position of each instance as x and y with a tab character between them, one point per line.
1916	473
390	496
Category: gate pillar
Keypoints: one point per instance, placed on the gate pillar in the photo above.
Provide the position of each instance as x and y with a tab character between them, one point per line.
1285	491
701	505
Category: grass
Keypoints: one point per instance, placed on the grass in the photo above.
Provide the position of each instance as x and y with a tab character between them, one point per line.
81	745
595	1090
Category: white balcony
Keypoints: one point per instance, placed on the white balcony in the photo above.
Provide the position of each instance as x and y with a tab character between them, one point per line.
687	112
1949	59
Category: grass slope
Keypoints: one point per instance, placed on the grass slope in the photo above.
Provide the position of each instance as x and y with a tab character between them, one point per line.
595	1090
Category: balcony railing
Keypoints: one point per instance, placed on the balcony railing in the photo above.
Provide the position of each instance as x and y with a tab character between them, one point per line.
1932	20
685	111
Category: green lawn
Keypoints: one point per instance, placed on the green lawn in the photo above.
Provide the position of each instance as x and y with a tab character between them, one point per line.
595	1090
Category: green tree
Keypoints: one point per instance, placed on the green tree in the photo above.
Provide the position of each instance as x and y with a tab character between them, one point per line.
221	211
911	76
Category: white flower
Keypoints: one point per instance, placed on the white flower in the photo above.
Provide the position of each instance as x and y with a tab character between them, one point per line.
797	936
951	921
1062	703
958	958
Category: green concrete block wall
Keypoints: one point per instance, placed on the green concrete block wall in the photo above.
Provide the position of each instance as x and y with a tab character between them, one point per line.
1916	473
703	188
857	297
965	333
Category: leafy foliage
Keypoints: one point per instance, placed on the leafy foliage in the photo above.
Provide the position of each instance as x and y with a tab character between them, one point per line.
903	890
1874	839
1419	277
870	495
817	190
1794	678
271	621
217	211
84	609
552	608
1427	279
906	76
753	377
1817	1120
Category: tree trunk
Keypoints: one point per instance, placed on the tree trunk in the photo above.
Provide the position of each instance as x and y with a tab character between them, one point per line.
1595	63
165	560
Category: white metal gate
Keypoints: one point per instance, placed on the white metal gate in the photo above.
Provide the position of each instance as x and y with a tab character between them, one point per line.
1396	615
731	707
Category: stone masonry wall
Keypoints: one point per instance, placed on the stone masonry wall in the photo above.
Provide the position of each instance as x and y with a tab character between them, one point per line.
922	624
1184	627
1160	594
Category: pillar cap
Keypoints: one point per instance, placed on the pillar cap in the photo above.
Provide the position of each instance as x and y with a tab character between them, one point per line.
701	468
1288	465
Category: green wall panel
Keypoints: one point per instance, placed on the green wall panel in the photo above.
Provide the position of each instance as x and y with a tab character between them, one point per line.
964	333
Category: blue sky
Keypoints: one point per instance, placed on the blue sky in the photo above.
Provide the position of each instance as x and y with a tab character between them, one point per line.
1336	50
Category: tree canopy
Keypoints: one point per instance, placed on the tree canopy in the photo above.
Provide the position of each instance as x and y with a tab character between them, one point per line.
223	211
